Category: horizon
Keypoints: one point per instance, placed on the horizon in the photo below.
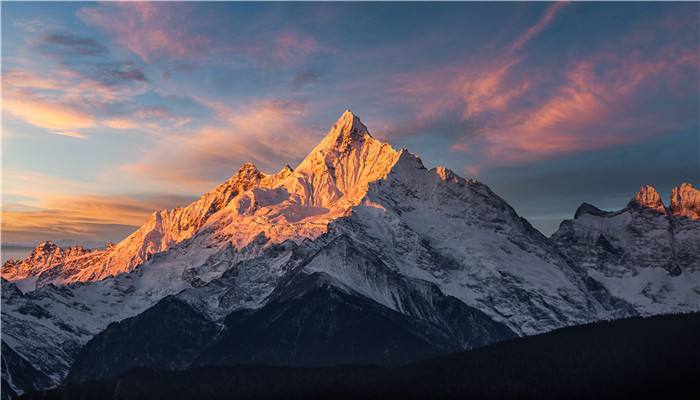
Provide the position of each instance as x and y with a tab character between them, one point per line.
104	124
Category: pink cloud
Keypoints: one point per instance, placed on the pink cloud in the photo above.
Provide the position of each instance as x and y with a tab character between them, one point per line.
505	111
597	106
148	29
153	30
541	25
460	147
290	46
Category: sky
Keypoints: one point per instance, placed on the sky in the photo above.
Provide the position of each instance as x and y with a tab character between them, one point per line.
113	110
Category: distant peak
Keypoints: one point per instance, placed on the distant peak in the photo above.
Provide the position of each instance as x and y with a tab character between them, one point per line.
685	201
648	197
586	208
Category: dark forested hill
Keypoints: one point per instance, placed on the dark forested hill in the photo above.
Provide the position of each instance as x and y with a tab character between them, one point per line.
632	358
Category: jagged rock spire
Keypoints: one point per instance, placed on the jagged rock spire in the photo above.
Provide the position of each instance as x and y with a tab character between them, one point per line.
649	198
685	201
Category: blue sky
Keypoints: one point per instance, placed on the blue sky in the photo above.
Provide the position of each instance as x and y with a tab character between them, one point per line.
113	110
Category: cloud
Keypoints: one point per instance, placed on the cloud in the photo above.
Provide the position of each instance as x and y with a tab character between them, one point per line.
148	29
73	44
305	78
69	83
510	109
45	113
268	133
85	59
158	31
288	47
38	207
33	25
541	25
73	134
600	104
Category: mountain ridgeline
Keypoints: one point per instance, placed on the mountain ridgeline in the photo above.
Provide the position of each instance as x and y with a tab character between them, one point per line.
359	255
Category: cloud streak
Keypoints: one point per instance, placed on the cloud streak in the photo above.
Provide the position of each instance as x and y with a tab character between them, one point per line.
540	26
268	133
165	31
34	205
148	29
506	111
44	113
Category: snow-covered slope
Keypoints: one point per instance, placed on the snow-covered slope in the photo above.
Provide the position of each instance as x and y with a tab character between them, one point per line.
370	219
163	229
645	254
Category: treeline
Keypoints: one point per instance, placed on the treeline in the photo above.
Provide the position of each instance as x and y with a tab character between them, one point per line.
632	358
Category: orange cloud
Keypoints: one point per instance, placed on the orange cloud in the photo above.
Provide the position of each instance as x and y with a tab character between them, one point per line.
120	123
39	207
44	113
268	133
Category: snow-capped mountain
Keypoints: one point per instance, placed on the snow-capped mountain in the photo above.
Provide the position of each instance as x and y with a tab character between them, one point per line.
645	254
434	259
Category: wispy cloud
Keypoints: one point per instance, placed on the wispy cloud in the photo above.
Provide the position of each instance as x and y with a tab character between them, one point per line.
148	29
541	25
506	111
597	106
42	207
73	44
54	115
79	86
165	31
306	77
73	134
268	133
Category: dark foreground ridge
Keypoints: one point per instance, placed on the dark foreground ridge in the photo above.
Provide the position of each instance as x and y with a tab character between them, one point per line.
632	358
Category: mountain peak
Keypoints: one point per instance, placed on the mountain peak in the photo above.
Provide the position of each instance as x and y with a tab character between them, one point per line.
586	208
685	201
648	197
348	131
343	163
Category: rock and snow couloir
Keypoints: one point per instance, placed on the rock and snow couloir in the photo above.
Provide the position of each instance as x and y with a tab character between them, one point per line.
376	225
